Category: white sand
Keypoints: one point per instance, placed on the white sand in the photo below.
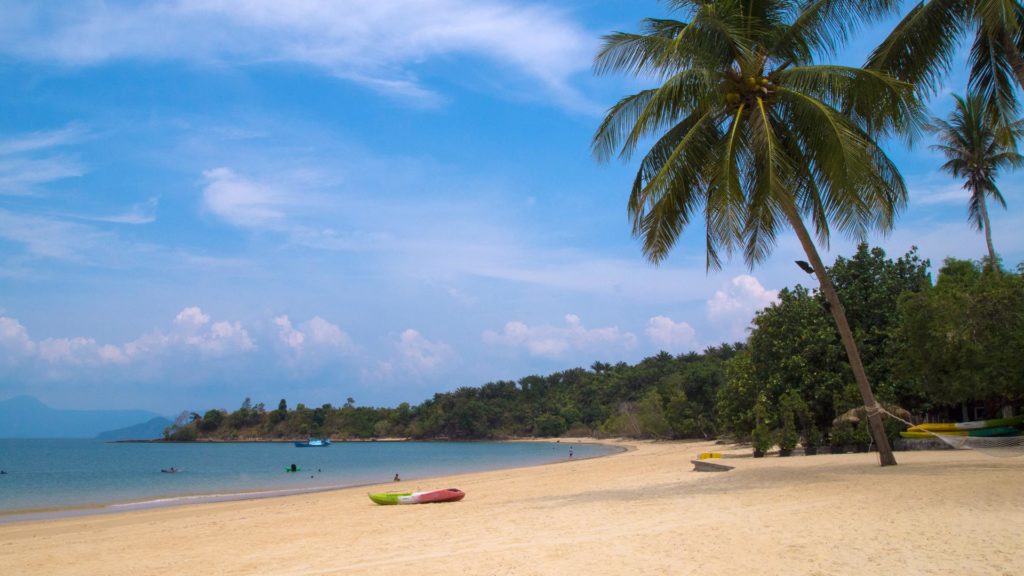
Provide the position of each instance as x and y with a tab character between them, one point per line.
640	512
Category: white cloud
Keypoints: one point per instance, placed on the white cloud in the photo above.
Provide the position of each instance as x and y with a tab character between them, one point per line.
671	336
49	238
421	355
936	188
733	306
241	202
191	331
555	341
28	160
313	342
140	213
79	351
41	140
377	44
191	319
20	176
15	342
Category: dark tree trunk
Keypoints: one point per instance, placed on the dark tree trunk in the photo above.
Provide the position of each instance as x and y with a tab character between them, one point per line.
885	454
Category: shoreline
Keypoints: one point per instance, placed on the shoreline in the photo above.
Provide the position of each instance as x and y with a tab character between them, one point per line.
642	511
170	501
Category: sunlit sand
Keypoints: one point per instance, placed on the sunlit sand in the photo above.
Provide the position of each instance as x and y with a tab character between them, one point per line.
644	511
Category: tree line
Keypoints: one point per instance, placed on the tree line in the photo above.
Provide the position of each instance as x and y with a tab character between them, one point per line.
929	347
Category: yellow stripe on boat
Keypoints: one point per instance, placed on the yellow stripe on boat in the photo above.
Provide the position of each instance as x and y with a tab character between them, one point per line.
923	434
706	455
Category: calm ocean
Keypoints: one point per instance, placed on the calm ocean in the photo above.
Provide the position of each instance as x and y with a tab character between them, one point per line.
55	474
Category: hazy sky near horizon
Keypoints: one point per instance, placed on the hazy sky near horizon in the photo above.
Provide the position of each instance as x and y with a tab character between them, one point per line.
202	201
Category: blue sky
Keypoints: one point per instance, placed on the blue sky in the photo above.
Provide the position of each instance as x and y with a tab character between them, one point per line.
202	201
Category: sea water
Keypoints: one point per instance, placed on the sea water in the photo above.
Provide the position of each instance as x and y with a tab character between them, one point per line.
66	474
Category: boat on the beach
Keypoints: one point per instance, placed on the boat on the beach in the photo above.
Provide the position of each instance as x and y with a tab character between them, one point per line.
975	425
996	427
313	443
429	497
1000	431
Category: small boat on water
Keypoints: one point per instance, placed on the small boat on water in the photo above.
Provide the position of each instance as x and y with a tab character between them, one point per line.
314	443
429	497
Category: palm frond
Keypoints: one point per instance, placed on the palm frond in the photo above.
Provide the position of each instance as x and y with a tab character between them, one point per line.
617	124
636	54
723	212
920	49
991	75
769	177
651	111
667	188
878	103
821	27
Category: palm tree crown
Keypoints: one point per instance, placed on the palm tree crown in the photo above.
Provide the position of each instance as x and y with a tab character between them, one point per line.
750	130
969	139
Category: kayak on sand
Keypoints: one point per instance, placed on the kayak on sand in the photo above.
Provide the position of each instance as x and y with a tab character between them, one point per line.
976	425
430	497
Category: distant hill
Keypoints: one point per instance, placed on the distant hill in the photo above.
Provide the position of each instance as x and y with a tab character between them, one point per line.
27	417
150	430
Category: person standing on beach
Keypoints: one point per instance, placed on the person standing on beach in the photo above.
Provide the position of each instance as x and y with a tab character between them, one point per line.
397	479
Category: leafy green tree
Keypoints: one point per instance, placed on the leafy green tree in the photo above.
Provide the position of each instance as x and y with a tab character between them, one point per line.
550	425
749	130
961	340
870	286
975	153
212	420
793	346
735	401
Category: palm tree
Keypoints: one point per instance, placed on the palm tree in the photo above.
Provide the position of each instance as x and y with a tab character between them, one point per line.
920	49
748	131
975	153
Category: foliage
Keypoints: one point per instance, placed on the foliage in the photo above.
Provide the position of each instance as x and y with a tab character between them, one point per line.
549	425
791	409
663	396
734	404
811	437
841	434
761	438
962	340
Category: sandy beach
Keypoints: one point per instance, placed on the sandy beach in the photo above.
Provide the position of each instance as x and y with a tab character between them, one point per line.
643	511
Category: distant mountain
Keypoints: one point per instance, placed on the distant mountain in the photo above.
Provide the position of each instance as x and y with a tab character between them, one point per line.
150	430
27	417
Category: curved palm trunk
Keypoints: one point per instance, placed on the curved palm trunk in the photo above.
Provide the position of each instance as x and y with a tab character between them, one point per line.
983	210
885	454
